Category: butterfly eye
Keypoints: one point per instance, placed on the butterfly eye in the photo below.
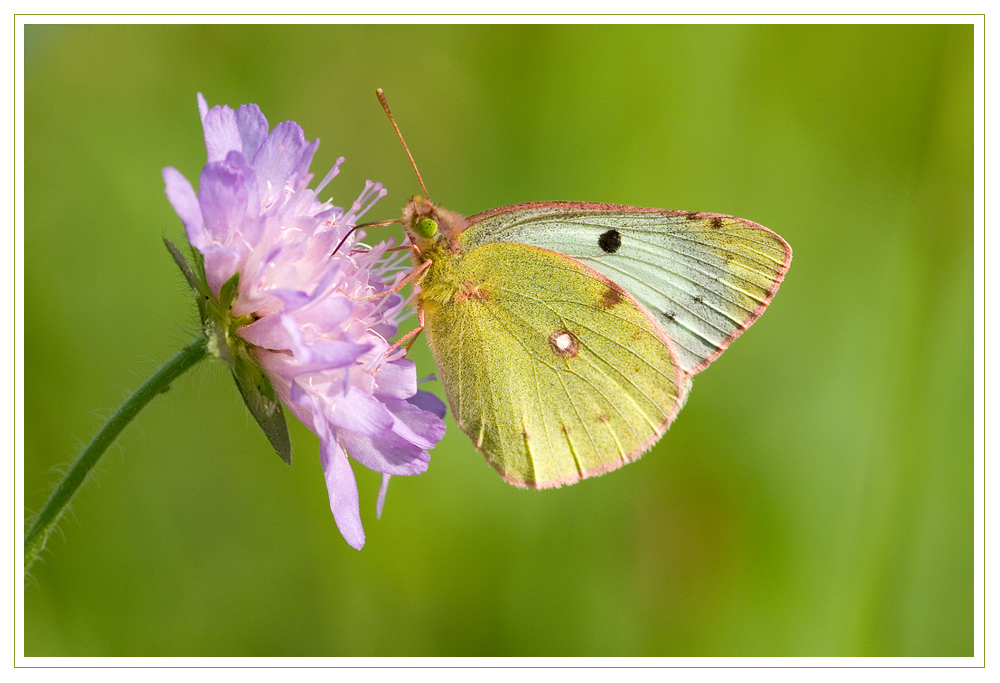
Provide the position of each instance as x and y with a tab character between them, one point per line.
427	227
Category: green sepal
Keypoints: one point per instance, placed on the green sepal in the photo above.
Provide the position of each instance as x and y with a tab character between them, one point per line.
216	314
199	264
196	284
228	293
263	404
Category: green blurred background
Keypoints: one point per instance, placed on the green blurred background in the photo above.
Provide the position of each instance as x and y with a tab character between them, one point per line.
815	497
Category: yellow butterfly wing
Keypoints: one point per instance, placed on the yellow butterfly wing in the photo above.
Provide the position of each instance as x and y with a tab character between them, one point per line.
553	370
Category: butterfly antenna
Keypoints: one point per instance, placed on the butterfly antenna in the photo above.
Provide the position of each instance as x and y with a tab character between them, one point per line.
385	106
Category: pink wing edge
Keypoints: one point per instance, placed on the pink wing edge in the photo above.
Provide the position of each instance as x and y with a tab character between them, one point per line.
779	274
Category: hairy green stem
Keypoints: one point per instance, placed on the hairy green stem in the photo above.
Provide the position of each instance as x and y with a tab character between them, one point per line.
159	382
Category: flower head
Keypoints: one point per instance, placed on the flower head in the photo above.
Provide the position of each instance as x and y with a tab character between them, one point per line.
293	301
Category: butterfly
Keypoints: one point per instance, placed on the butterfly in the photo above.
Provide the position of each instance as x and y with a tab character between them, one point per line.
567	334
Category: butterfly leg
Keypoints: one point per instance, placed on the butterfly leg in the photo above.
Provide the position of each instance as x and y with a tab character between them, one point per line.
415	276
411	335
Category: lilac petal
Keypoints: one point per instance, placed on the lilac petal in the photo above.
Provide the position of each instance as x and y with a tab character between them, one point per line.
425	400
202	107
385	330
326	354
267	333
252	127
284	157
350	410
329	312
419	427
222	135
220	265
355	411
280	333
223	198
301	170
318	353
382	490
343	490
326	312
396	379
293	299
185	203
340	482
388	453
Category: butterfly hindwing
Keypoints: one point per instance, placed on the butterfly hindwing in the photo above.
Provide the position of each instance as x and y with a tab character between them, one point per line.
705	277
555	372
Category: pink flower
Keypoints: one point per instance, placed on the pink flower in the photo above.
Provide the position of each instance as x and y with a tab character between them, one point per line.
287	288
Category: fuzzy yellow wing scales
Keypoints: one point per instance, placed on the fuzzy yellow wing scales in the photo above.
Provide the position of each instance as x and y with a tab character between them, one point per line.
553	370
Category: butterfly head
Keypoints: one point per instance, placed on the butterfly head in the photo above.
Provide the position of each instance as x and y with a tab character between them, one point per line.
430	227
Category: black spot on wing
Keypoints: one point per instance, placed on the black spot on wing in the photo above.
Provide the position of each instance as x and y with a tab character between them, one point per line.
610	241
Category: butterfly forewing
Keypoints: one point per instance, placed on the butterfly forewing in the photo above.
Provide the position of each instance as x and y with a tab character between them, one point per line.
704	277
555	372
